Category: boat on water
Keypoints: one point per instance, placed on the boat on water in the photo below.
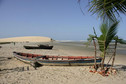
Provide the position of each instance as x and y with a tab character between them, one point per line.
38	47
57	60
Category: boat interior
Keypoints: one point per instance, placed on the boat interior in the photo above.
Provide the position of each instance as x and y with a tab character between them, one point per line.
53	57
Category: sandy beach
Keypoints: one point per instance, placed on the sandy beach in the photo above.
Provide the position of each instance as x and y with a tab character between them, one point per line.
45	42
13	71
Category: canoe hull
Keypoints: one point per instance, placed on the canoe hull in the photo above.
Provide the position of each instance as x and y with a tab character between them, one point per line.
24	59
32	47
38	47
45	46
47	60
68	62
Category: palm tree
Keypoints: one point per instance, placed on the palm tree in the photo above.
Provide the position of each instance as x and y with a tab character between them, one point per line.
109	32
107	9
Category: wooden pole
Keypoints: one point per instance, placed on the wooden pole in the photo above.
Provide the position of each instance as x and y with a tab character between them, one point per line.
95	53
114	53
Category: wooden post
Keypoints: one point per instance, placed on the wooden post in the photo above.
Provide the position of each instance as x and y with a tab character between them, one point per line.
95	53
114	53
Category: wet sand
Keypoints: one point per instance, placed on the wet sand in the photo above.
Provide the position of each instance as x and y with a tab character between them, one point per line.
13	71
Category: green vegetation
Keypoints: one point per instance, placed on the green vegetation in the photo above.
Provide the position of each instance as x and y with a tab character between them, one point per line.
108	33
107	9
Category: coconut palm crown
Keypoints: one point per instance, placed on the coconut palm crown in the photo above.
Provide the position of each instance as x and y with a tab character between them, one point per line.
107	9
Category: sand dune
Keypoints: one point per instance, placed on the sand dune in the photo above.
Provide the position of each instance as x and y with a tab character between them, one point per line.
26	39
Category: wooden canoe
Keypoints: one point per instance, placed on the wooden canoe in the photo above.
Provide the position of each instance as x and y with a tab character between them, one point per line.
25	57
57	60
45	46
39	47
32	47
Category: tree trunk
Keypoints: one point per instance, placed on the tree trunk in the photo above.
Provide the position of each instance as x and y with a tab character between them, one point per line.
95	54
114	53
103	59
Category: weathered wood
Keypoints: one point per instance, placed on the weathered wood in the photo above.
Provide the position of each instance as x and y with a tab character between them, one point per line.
56	60
95	53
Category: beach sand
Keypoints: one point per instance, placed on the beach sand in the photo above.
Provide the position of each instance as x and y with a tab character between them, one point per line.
13	71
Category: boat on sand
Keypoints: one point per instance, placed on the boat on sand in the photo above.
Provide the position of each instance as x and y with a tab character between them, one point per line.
25	57
57	60
38	47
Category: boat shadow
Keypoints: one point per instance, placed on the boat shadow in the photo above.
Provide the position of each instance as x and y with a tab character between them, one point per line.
120	67
36	65
5	58
17	69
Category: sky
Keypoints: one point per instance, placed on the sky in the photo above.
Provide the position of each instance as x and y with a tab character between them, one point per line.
57	19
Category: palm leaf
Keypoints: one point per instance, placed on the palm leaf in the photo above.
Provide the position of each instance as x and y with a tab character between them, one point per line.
119	40
108	33
104	29
108	8
94	32
111	34
101	43
89	40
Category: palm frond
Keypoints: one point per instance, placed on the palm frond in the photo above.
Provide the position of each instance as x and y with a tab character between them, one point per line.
108	33
104	29
111	34
94	32
119	40
101	39
101	42
108	8
89	40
